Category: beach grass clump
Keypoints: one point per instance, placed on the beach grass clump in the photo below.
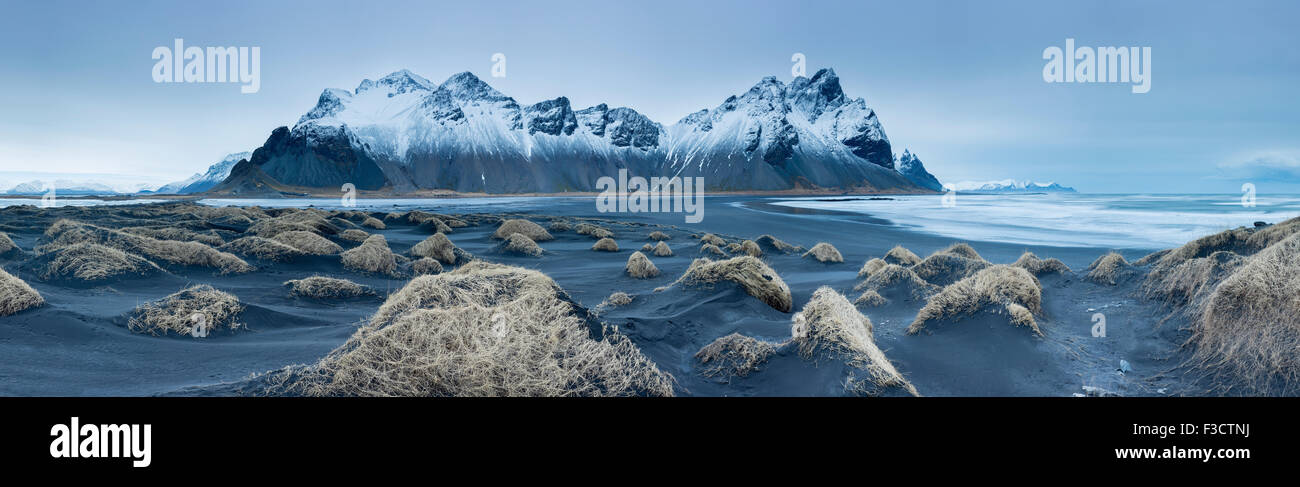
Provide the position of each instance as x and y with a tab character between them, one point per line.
748	247
520	244
961	249
660	236
438	247
1190	282
480	330
825	253
997	286
605	245
309	243
1109	269
533	231
426	265
871	266
640	266
173	233
871	299
1036	266
593	231
829	323
901	256
754	276
375	223
734	355
16	295
897	280
373	255
944	268
618	298
662	250
354	235
293	219
196	306
712	239
1249	326
773	244
262	248
7	244
188	253
321	287
559	226
92	262
710	249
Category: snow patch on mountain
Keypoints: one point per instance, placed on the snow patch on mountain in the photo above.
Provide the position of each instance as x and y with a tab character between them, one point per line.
201	182
1010	186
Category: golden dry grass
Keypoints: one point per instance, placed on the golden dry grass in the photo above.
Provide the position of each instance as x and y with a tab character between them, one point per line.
594	231
533	231
747	247
173	233
374	223
373	255
321	287
734	355
520	244
1036	266
901	256
180	313
262	248
354	235
658	235
770	243
480	330
871	266
94	262
824	252
438	247
715	240
710	249
66	232
559	226
16	295
830	324
961	249
426	265
996	286
640	266
897	277
871	299
618	298
605	245
754	276
1109	269
309	243
7	244
662	250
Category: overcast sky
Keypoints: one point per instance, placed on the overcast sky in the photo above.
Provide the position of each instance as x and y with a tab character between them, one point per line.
958	83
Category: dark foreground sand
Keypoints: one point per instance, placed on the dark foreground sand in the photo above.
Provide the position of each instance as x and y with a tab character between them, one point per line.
78	342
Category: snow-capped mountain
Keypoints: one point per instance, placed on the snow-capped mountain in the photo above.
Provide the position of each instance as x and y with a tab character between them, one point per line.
201	182
68	187
404	133
1010	186
910	167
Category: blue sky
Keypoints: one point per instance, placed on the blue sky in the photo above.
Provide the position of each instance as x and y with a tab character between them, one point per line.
958	83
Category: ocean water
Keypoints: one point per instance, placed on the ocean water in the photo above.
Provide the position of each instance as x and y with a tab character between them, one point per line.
1137	221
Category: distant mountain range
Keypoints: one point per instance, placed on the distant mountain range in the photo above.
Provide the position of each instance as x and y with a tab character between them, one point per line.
199	183
403	133
1009	186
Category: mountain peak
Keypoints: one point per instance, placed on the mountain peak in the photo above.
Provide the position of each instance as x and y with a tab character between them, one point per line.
466	86
398	82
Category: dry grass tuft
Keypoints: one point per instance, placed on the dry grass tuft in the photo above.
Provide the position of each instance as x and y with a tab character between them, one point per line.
901	256
94	262
374	223
354	235
770	243
65	232
426	265
373	255
321	287
1030	262
943	268
715	240
896	277
16	295
661	236
173	233
7	244
711	249
439	247
520	244
559	226
824	252
1110	269
999	285
480	330
750	273
748	247
533	231
594	231
640	266
961	249
262	248
734	355
662	250
871	266
618	298
605	245
188	308
830	324
309	243
871	299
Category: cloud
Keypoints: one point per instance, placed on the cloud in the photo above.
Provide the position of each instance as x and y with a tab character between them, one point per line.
1264	166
